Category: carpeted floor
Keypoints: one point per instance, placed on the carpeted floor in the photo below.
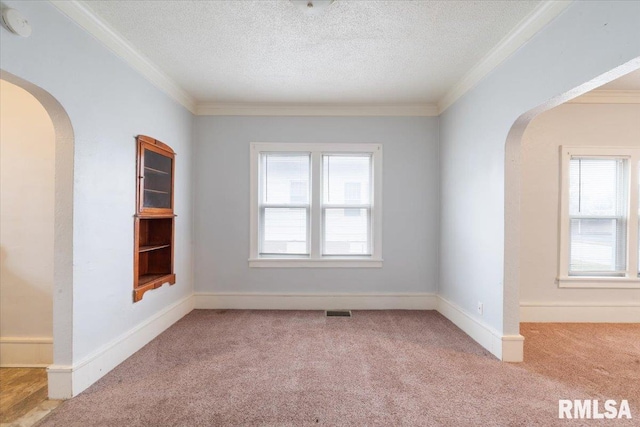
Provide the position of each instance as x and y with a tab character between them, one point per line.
598	359
386	368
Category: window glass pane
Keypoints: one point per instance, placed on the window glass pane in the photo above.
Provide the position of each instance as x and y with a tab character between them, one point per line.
346	179
157	180
285	178
597	245
284	231
597	206
596	187
346	232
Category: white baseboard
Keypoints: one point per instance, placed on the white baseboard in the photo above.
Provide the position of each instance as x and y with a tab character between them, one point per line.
26	352
508	348
68	381
363	301
512	348
579	312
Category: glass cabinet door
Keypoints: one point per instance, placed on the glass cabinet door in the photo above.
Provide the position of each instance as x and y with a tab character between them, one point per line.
156	181
155	177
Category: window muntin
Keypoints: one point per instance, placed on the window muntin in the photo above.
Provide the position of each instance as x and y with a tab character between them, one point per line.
316	205
600	218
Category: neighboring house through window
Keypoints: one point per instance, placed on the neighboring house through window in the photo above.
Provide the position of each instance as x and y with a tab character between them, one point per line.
316	205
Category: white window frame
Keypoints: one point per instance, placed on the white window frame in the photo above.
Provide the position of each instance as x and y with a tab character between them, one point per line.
316	259
630	278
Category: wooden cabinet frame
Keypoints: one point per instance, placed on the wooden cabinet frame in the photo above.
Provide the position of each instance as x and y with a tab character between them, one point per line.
154	221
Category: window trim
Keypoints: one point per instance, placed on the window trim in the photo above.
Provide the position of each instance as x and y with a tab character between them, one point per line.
631	279
316	259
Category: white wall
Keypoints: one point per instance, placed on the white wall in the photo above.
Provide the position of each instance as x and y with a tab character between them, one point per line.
27	156
585	41
596	125
108	103
410	207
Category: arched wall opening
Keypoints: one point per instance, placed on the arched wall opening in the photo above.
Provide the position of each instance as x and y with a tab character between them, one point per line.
513	189
27	144
62	224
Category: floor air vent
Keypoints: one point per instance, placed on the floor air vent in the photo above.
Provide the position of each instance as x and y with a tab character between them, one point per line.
338	313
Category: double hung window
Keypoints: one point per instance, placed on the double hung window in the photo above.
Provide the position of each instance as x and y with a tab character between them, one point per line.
599	217
316	205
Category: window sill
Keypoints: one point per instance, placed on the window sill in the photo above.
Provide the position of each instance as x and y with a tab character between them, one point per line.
315	263
599	282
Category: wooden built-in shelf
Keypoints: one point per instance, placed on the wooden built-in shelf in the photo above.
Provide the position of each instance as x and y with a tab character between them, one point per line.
154	222
148	282
152	247
152	170
146	278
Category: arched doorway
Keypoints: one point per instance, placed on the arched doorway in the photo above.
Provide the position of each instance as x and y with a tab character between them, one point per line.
62	294
513	216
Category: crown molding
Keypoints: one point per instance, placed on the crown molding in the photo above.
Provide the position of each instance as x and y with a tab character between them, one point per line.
254	109
93	24
527	28
603	96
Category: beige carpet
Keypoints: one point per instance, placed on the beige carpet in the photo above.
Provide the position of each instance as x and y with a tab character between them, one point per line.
597	359
378	368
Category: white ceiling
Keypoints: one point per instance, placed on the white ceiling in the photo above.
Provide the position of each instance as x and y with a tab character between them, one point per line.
271	51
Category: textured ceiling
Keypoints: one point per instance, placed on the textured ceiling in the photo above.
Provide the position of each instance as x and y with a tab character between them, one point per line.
353	52
629	81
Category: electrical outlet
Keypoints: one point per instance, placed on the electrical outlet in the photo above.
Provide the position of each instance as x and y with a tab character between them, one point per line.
480	308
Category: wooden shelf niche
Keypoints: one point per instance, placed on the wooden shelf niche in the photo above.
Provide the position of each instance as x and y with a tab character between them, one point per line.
154	228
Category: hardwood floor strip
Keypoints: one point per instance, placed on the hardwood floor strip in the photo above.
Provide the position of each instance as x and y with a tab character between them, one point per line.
21	390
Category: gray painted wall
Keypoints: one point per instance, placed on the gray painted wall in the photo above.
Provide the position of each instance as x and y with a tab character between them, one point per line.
108	104
410	209
587	40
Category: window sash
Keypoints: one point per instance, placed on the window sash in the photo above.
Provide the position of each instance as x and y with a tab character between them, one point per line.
263	209
262	174
368	252
326	156
619	248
